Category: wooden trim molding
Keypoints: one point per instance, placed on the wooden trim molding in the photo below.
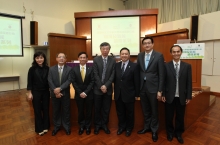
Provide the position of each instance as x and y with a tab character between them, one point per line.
65	35
169	32
116	13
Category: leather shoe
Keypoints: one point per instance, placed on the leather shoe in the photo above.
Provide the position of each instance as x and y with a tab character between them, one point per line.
180	139
68	132
154	136
88	131
128	133
120	130
143	131
96	131
169	137
81	130
106	130
54	132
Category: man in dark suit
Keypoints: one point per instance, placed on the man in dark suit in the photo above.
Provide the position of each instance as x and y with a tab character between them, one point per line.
83	81
151	66
59	78
177	93
104	71
126	88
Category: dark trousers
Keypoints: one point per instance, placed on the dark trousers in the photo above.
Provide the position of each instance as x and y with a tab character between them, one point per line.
125	113
170	109
84	112
102	104
149	105
41	101
61	114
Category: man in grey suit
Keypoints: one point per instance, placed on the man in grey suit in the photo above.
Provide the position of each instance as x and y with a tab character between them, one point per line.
103	67
59	79
177	93
151	66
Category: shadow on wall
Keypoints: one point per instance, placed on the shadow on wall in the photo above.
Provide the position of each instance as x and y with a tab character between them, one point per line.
69	29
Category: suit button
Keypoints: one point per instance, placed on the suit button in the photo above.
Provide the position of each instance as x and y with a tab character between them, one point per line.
121	80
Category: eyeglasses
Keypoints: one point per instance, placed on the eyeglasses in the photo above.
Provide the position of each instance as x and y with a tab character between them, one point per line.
147	43
61	57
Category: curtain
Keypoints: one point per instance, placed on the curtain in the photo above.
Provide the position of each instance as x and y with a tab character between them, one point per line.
171	10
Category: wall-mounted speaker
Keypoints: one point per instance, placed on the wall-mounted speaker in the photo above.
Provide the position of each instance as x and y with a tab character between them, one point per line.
194	28
34	33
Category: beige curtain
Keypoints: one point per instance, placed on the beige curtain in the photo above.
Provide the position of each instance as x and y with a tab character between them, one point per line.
171	10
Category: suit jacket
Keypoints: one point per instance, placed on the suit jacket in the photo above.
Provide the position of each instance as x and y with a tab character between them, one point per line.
185	82
80	86
127	85
154	73
66	79
109	75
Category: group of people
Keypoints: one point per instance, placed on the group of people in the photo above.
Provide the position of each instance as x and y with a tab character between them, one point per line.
150	79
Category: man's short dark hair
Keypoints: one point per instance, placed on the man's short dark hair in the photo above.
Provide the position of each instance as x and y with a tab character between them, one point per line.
105	44
125	48
83	53
62	53
176	46
152	40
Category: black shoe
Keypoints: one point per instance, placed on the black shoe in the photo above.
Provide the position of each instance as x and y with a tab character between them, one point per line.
106	130
180	139
88	131
120	130
128	133
143	131
54	132
96	131
154	136
169	137
81	130
68	132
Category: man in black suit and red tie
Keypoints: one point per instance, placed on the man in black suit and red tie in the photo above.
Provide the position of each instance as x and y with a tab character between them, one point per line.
177	93
151	67
126	88
83	81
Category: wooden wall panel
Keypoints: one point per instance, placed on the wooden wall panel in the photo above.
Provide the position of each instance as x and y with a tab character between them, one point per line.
68	44
163	42
148	25
148	22
83	27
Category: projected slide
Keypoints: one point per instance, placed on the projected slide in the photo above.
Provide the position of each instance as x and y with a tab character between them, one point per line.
10	37
119	32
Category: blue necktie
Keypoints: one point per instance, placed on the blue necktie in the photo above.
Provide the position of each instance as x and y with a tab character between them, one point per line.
147	61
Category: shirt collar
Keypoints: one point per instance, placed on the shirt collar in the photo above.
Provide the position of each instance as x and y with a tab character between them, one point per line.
82	66
176	63
105	58
149	52
126	62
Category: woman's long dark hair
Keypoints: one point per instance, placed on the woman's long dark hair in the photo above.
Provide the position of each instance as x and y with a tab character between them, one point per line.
39	53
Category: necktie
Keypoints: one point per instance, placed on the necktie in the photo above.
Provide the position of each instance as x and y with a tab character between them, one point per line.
60	73
104	70
177	79
82	73
147	60
122	69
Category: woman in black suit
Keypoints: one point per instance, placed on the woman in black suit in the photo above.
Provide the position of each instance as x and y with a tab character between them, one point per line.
38	92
